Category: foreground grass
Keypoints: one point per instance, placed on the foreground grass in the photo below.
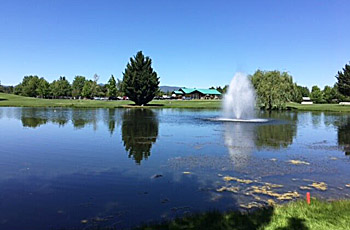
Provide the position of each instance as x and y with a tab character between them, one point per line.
19	101
320	215
319	107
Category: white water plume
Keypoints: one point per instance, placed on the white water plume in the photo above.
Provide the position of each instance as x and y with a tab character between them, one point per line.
239	101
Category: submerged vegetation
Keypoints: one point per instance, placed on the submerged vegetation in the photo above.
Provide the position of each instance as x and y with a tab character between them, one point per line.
319	215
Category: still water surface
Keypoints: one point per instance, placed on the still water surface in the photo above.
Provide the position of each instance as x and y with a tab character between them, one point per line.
124	167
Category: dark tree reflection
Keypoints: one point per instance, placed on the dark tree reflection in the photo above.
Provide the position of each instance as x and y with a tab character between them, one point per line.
33	118
344	135
111	120
139	132
81	118
277	135
59	116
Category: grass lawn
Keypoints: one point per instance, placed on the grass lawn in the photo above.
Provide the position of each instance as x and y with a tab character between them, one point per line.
320	215
319	107
19	101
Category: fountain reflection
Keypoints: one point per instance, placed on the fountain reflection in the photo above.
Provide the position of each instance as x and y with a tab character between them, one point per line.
139	132
240	142
242	139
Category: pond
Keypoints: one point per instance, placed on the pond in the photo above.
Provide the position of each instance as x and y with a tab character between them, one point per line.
64	168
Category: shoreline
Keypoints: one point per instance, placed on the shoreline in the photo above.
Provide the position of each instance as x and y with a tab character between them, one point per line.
10	100
319	215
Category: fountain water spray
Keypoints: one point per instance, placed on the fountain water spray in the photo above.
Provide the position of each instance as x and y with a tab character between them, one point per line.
239	101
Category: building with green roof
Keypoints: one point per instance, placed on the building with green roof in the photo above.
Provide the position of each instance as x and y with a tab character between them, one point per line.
193	93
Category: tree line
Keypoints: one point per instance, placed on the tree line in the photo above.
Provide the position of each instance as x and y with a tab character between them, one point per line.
140	83
274	89
81	87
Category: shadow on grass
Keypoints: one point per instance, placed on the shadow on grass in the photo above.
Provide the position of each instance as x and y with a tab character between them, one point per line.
3	99
218	221
295	224
145	106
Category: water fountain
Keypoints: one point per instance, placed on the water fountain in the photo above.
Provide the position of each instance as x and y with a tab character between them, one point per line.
239	101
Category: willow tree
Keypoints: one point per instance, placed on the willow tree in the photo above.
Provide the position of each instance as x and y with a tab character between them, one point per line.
274	89
140	81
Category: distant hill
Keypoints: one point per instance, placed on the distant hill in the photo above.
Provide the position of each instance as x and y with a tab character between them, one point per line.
169	88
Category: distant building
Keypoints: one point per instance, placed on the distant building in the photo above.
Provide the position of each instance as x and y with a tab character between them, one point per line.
193	93
306	101
177	94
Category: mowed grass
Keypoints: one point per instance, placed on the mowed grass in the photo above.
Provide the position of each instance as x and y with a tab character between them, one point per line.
19	101
320	215
319	107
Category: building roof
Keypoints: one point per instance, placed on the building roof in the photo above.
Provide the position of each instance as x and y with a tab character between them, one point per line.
202	91
187	90
178	92
209	91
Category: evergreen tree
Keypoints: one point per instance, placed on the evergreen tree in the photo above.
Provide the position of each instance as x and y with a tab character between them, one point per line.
140	81
343	78
112	87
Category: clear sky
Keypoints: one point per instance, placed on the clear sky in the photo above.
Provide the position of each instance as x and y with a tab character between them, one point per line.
192	43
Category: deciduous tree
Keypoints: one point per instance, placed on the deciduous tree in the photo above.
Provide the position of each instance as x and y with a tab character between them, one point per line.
316	94
43	89
273	89
77	86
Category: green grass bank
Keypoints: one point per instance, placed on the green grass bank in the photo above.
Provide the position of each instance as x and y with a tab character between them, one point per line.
298	215
11	100
319	107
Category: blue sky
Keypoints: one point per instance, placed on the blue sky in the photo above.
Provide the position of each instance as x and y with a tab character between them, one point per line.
192	43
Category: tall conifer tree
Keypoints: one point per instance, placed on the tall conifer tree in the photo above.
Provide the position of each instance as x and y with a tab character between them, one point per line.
140	81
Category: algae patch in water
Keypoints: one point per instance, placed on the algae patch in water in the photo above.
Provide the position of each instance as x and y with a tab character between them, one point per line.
266	190
305	188
273	185
319	185
251	205
229	189
297	162
229	178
